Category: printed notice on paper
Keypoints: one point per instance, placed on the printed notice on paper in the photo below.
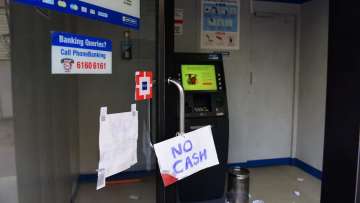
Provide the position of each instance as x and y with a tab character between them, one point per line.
118	137
78	54
220	24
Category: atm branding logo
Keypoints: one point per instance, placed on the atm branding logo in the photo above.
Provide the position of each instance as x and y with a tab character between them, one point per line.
128	20
51	2
143	82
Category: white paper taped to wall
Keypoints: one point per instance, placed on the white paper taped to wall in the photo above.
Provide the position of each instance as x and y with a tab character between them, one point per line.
118	137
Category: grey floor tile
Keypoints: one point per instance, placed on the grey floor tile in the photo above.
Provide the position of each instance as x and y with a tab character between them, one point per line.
278	184
8	181
143	192
8	190
270	184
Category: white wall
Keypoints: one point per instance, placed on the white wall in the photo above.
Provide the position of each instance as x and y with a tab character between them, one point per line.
313	76
270	94
6	104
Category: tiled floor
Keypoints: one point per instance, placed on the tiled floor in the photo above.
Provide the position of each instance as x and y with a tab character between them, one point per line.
270	184
143	192
8	187
278	185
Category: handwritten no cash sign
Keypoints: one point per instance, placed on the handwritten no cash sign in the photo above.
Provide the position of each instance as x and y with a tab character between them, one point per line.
185	155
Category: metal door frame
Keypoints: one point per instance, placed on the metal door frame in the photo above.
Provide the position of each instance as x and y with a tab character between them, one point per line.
338	74
165	53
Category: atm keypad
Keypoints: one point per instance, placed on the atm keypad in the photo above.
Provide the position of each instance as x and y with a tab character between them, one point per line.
219	81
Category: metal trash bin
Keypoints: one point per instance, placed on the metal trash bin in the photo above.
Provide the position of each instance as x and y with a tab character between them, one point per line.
238	185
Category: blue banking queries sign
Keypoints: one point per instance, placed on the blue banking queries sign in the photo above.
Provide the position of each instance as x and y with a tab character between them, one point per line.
78	54
120	12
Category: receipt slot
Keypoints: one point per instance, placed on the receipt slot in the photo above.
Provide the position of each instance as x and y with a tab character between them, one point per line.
202	78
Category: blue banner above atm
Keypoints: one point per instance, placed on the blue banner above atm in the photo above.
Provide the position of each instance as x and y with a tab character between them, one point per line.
125	13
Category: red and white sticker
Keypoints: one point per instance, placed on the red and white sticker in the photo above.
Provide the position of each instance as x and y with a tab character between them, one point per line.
179	22
143	80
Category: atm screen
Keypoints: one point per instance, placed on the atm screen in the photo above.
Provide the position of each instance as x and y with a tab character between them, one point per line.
198	77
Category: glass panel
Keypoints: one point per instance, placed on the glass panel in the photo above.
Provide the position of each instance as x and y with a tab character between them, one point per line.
8	179
56	118
8	185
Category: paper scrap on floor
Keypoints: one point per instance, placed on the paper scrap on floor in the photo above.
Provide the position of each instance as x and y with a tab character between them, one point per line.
118	136
297	193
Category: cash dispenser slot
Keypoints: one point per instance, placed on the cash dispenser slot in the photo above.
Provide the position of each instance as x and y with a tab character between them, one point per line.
204	105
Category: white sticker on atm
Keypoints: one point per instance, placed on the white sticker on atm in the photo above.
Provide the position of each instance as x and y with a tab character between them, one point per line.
185	155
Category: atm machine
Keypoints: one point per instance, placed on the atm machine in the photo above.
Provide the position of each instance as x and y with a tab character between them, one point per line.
202	77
